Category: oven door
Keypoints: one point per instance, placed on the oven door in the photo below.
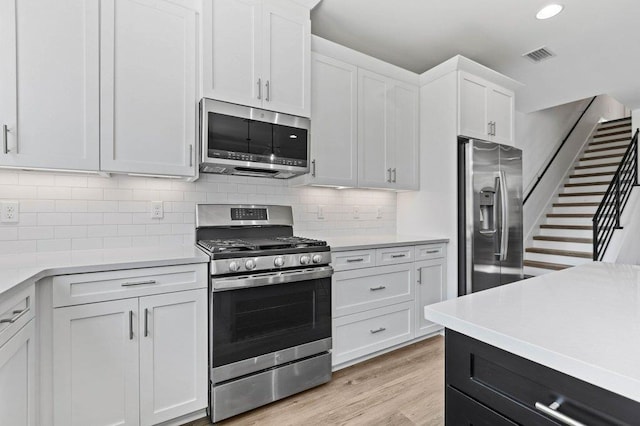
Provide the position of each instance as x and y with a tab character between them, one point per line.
269	319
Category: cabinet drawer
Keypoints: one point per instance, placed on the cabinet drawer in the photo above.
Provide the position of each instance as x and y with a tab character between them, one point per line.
364	289
16	310
346	260
394	255
102	286
512	385
430	251
367	332
462	410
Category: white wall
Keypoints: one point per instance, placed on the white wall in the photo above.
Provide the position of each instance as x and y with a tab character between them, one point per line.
75	211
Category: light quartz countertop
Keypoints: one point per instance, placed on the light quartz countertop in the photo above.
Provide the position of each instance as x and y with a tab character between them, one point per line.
29	267
379	241
583	321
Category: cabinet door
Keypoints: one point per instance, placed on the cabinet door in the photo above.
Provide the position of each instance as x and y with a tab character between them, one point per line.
431	287
49	84
232	51
17	384
95	354
173	355
334	131
286	58
404	149
374	131
148	87
472	106
500	109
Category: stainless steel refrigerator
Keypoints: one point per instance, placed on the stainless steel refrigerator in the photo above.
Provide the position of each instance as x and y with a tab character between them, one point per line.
489	215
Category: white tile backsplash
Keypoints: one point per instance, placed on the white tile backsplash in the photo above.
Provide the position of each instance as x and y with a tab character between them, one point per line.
77	212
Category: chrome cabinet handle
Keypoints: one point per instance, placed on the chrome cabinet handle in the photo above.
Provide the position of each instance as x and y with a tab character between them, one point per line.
394	175
378	330
494	128
259	88
130	325
397	256
419	275
389	175
16	316
146	322
377	288
360	259
433	251
313	168
268	91
190	155
551	411
5	139
489	128
131	284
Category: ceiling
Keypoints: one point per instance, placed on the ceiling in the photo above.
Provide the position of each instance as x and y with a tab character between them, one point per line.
596	42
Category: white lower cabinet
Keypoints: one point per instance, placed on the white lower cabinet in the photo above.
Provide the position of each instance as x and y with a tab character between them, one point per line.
131	361
379	296
17	378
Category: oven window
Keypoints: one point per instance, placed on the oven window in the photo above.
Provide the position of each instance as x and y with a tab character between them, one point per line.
256	321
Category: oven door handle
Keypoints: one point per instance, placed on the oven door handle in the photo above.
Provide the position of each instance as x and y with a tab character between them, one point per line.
280	277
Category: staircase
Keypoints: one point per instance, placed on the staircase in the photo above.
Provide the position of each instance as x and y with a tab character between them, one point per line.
565	238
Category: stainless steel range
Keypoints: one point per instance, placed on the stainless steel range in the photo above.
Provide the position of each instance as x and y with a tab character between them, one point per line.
270	306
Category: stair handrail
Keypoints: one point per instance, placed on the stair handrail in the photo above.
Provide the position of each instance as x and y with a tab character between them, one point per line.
607	217
558	151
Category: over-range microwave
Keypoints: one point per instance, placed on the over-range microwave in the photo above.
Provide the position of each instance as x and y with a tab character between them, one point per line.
241	140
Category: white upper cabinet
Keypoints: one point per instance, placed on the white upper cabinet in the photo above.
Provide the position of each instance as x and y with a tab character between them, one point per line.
257	53
148	84
49	84
334	127
486	110
388	132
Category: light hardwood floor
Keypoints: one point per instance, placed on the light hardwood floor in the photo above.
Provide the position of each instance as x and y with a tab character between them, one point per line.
404	387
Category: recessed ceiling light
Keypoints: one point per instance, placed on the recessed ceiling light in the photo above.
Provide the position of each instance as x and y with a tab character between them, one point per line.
549	11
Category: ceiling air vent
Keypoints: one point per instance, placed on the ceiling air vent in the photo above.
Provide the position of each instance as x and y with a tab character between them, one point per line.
539	55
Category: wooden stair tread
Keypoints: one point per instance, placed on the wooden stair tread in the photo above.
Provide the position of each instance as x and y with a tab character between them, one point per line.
571	227
576	204
616	120
602	135
596	143
545	265
563	239
609	148
580	194
595	166
617	126
569	185
555	252
569	215
601	157
586	175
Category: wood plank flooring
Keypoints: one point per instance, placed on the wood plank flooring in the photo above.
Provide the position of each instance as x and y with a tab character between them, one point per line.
404	387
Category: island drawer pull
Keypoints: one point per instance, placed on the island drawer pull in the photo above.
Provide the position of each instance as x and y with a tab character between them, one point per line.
16	316
396	256
433	251
551	411
377	288
131	284
360	259
381	329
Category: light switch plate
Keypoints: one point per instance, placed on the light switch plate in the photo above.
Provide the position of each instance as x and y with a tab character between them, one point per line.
9	212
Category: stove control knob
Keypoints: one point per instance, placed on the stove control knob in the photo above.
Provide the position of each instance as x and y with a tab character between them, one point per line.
278	261
305	259
250	264
317	258
234	266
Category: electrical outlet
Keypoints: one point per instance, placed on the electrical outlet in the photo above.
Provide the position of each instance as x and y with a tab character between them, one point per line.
157	210
320	212
10	212
379	212
356	212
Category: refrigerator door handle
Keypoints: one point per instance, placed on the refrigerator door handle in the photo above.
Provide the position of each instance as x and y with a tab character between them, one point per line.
504	217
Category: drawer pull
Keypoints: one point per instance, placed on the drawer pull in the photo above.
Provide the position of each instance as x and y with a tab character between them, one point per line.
131	284
397	256
433	251
551	411
377	288
16	316
360	259
381	329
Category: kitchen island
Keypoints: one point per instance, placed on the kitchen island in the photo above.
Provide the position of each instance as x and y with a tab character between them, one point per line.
536	351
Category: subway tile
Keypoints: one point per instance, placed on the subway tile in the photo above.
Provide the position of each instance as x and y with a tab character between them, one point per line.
116	242
102	230
54	193
35	178
8	177
118	218
102	182
118	194
55	219
71	206
87	218
145	241
158	229
131	230
8	233
35	232
86	243
133	206
37	206
71	180
87	193
54	245
16	192
18	247
70	232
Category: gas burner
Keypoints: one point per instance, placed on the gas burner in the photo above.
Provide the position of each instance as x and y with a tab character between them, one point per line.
300	242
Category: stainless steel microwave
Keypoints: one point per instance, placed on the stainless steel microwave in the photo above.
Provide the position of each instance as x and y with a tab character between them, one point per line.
241	140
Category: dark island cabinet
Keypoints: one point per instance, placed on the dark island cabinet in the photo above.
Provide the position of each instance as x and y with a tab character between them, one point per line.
489	386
